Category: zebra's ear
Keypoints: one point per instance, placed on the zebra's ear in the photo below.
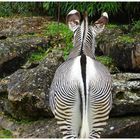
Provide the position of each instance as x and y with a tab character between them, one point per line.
99	25
73	19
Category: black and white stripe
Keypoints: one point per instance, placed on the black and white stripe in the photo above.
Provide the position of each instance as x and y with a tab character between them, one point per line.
80	94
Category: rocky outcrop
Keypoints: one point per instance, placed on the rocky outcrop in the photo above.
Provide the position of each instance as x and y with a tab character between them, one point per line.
124	127
26	89
18	26
123	48
126	94
24	92
23	97
19	37
26	99
14	52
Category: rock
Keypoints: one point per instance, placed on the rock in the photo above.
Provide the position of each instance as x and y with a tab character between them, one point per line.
46	128
27	87
42	128
3	92
14	52
122	127
3	85
17	26
116	128
123	48
126	94
8	124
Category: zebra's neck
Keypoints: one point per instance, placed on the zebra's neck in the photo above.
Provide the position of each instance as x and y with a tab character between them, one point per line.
84	42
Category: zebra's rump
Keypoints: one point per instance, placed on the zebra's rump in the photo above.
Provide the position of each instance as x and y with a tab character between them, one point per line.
79	114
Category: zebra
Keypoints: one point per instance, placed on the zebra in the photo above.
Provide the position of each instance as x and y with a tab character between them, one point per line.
80	94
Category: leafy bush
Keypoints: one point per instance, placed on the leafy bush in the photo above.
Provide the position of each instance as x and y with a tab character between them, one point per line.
136	26
91	7
19	8
129	10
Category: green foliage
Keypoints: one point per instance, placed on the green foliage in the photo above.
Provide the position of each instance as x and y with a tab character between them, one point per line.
110	7
112	26
59	33
56	28
106	60
5	133
126	39
129	9
136	26
19	8
62	30
36	56
91	7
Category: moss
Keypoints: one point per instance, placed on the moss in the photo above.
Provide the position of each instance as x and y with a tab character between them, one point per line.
36	56
106	60
5	133
126	39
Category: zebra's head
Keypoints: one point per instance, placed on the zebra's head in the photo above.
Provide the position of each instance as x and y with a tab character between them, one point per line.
84	34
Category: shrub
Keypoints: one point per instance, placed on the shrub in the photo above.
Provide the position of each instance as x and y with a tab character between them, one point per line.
20	8
91	7
136	26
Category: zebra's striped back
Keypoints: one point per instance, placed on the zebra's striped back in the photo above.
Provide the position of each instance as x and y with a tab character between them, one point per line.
80	94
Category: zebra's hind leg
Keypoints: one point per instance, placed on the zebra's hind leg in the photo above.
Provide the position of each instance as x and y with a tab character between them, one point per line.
66	129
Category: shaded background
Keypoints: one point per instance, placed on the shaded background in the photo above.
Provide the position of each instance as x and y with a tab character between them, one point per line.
120	12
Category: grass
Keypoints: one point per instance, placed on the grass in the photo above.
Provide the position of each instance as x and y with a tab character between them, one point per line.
62	30
59	34
5	133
